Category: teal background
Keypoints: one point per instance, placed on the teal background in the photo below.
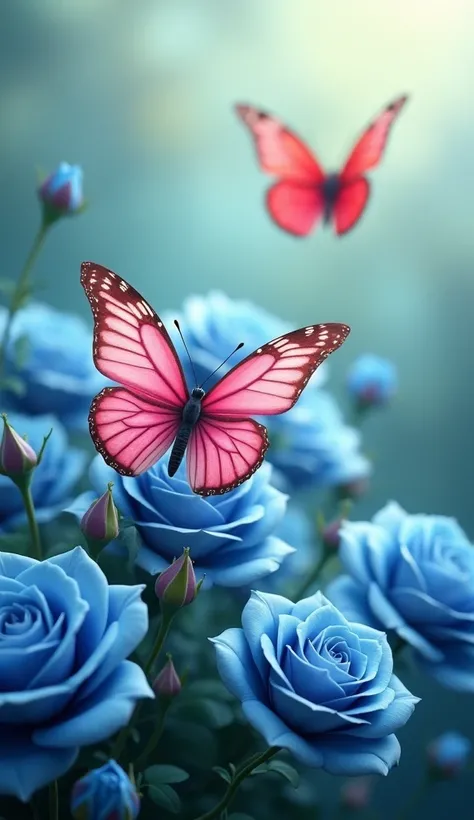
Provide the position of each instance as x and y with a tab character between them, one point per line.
141	95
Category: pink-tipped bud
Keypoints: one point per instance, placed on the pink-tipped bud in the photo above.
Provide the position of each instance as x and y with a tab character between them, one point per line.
176	586
17	458
167	683
100	523
61	193
356	793
330	534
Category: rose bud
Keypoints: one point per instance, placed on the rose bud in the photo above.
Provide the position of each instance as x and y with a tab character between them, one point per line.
61	193
105	794
356	793
448	754
372	381
176	586
17	458
100	523
167	683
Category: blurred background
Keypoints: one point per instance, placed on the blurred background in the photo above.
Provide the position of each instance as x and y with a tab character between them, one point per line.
141	95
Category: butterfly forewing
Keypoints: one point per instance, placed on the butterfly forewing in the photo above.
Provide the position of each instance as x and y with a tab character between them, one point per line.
131	344
270	380
369	149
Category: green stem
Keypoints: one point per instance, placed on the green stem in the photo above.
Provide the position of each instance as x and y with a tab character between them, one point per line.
308	582
53	801
16	298
122	737
239	777
154	737
32	522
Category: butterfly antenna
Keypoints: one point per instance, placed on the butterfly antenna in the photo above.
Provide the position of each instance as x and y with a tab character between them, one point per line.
186	349
241	344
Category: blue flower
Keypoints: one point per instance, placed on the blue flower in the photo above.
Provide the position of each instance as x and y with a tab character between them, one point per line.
297	531
310	444
58	372
105	794
449	752
53	480
311	682
65	634
231	537
413	574
372	380
61	192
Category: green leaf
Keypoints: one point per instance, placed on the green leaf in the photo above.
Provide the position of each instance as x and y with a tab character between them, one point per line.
21	351
232	769
13	384
165	797
222	773
161	773
285	770
101	756
135	735
14	542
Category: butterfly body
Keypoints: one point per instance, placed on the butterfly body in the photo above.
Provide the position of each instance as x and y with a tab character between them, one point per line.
151	409
190	417
304	194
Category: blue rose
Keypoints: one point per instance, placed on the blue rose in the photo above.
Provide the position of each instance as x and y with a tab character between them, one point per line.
372	380
55	366
231	536
448	754
413	574
297	531
314	683
65	634
53	480
105	794
310	444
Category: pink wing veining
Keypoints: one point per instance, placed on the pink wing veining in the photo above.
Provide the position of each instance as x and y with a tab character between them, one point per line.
223	453
270	380
131	426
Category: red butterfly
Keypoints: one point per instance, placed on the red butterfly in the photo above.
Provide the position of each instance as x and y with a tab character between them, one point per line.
132	426
304	193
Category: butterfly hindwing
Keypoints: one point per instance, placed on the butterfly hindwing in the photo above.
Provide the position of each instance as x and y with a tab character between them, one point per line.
295	207
350	204
223	453
130	432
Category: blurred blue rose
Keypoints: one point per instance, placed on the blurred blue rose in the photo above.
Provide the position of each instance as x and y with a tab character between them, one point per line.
413	574
231	536
296	530
372	380
310	444
61	191
315	684
448	753
105	794
53	480
55	364
65	634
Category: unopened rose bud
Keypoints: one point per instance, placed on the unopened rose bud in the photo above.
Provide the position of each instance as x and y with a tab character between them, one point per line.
448	754
167	683
372	381
17	458
61	193
352	490
356	793
330	534
100	523
176	586
105	794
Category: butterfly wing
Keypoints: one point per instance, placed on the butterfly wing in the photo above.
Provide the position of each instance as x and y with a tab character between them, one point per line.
129	432
349	204
270	380
134	425
295	202
369	149
223	452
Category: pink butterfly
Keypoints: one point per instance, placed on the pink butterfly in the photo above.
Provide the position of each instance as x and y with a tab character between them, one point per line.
133	425
304	194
